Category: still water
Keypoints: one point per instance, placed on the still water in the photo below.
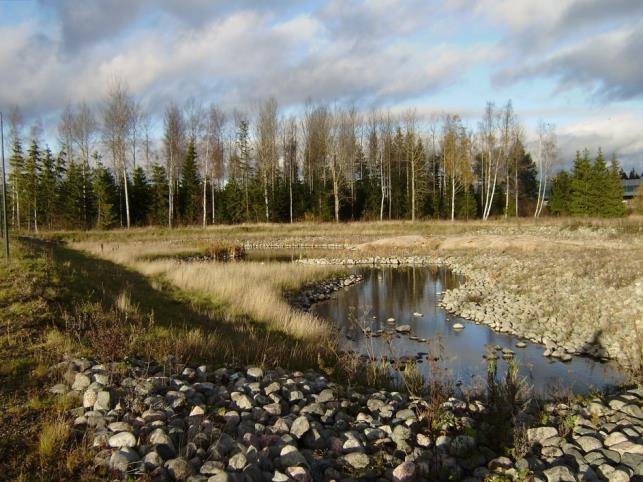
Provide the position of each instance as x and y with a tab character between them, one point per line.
400	293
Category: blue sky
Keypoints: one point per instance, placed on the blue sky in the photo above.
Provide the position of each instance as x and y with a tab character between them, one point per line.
574	63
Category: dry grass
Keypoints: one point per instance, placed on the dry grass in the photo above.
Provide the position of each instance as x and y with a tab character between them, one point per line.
53	436
253	290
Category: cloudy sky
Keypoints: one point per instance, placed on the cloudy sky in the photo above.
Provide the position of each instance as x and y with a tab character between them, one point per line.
575	63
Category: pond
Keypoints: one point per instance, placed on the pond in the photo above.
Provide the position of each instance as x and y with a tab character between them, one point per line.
411	295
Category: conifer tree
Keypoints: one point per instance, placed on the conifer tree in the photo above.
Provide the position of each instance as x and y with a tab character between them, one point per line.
48	191
614	206
581	186
561	195
158	195
140	196
106	197
599	186
189	190
16	163
31	176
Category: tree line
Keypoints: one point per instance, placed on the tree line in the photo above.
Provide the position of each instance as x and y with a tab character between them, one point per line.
591	189
329	163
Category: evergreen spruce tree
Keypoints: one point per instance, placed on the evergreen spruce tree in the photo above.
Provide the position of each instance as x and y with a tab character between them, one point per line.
561	194
599	186
140	197
48	190
581	186
79	193
189	190
16	163
106	197
31	174
614	206
158	195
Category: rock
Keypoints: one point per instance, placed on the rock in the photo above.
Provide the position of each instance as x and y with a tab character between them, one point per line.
81	381
521	344
403	329
539	434
462	445
178	468
119	427
122	459
163	444
103	401
357	460
500	463
122	439
298	474
89	398
290	456
326	395
237	462
588	443
559	473
299	427
614	438
405	472
255	372
458	326
242	401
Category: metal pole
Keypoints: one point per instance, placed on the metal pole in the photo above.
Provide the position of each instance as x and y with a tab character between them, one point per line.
5	229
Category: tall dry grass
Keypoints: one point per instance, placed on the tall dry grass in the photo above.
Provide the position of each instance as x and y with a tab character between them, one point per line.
250	289
254	290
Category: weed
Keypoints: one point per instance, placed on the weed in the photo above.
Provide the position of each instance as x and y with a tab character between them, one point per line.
53	436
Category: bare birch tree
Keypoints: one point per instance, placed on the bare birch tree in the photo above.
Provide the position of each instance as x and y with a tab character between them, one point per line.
117	129
174	141
546	156
266	139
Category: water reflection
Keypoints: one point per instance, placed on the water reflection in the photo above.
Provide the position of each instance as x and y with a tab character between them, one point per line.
411	296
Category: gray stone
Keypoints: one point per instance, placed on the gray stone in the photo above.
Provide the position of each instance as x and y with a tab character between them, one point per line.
122	459
589	443
405	472
539	434
255	372
237	462
559	473
103	401
462	445
81	381
122	439
162	443
357	460
179	468
290	457
300	426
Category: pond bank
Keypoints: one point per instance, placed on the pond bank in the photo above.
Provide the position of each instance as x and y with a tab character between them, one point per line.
177	422
481	300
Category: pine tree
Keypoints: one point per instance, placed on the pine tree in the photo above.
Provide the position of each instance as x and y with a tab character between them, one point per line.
16	163
613	206
581	186
140	197
189	190
31	176
599	186
158	196
48	190
106	197
561	194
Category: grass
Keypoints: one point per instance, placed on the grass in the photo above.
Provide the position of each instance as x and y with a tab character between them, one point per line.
53	436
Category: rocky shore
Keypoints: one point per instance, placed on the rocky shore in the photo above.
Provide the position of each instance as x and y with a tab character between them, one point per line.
189	423
305	297
480	300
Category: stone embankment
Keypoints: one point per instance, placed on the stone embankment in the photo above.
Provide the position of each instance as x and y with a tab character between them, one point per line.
189	423
305	297
480	300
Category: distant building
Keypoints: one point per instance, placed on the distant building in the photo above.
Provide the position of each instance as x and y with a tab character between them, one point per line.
629	187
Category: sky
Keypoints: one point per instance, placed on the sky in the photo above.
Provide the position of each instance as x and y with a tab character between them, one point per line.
575	63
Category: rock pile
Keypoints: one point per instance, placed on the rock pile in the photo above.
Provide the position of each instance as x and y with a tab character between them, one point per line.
187	423
304	298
